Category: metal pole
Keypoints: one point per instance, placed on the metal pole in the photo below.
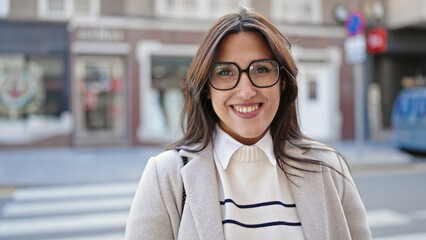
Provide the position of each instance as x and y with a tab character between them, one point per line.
359	102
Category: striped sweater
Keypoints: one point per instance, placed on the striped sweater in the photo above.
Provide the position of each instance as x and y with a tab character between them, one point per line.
256	200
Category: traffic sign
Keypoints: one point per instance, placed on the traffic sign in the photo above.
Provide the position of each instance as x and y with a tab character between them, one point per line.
355	49
377	40
355	23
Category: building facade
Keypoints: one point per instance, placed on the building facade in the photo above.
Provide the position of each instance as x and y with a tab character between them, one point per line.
401	65
125	62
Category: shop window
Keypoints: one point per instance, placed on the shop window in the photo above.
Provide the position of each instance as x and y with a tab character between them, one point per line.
82	7
32	98
197	8
67	8
297	11
56	6
31	86
312	89
166	96
100	98
4	8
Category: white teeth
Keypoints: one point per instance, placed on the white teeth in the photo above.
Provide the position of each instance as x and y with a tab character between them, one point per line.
243	109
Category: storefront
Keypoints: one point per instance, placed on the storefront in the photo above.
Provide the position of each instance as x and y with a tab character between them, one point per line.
34	100
128	77
99	86
403	65
163	68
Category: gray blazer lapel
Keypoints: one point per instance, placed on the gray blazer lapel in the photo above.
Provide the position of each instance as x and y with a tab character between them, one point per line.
200	181
308	194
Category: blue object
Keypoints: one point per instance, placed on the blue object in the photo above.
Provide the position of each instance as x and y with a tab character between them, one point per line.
409	120
355	23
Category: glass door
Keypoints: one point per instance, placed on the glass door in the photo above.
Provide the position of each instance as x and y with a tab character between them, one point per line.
100	100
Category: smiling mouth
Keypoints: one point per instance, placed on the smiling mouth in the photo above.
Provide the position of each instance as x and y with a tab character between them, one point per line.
246	109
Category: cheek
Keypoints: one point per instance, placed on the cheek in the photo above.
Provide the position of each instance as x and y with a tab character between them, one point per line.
275	99
218	100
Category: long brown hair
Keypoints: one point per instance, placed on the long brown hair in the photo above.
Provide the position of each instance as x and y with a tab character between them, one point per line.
198	118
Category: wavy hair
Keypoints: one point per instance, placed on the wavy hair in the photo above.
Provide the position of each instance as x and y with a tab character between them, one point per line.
198	119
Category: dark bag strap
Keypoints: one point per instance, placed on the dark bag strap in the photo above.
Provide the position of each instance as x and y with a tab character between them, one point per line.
185	161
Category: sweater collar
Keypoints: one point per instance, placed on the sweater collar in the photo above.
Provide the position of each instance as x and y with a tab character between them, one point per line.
225	146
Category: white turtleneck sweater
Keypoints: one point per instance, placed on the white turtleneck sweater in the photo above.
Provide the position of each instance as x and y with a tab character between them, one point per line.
256	199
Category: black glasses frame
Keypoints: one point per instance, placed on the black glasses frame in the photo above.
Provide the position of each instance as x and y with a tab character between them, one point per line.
240	71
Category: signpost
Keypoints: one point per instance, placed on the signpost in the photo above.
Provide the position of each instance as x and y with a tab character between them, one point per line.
355	46
355	51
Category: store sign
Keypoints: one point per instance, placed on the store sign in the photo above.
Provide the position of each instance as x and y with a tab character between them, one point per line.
377	40
100	35
355	49
355	24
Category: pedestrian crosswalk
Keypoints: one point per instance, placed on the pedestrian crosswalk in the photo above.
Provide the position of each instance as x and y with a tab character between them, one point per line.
99	211
78	212
387	218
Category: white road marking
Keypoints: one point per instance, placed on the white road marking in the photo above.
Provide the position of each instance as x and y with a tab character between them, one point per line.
95	237
47	207
421	214
411	236
57	192
385	218
22	209
64	224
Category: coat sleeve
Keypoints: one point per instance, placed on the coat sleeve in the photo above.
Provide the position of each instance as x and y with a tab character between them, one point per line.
353	207
148	217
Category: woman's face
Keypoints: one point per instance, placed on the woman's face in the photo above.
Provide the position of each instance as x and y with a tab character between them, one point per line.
245	112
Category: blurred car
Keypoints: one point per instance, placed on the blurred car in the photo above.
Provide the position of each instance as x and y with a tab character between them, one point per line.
409	120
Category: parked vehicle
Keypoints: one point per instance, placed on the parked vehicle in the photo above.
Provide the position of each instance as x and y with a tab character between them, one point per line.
409	120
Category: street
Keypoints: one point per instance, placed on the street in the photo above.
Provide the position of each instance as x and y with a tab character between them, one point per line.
395	202
89	209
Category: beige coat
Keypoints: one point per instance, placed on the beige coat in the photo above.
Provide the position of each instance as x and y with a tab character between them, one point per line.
328	205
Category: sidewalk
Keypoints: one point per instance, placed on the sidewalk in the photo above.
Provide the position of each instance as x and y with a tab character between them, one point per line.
72	166
372	153
78	166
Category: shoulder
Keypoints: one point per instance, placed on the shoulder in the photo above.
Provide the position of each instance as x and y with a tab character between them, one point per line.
165	164
162	174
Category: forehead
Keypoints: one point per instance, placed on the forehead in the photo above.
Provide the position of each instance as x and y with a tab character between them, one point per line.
243	48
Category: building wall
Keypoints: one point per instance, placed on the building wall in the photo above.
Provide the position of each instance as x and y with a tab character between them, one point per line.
138	20
138	8
262	7
112	8
23	10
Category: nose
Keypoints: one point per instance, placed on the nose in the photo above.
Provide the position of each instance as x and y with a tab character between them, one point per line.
245	89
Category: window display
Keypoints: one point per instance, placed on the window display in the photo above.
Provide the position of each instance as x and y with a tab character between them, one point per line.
32	98
162	112
100	100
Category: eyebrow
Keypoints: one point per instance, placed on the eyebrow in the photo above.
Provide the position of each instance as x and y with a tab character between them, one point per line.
260	59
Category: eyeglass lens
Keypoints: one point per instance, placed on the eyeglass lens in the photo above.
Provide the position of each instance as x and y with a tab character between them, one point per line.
262	73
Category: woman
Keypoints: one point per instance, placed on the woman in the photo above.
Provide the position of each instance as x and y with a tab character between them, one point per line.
250	174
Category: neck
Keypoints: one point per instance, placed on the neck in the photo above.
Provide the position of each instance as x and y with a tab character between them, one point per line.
241	139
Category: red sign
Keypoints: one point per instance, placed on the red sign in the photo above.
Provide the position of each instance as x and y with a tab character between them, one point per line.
377	40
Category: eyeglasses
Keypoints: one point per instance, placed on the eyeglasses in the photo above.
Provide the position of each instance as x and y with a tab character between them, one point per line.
262	74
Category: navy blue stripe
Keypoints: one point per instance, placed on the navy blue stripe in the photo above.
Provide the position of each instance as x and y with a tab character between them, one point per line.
261	225
262	204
